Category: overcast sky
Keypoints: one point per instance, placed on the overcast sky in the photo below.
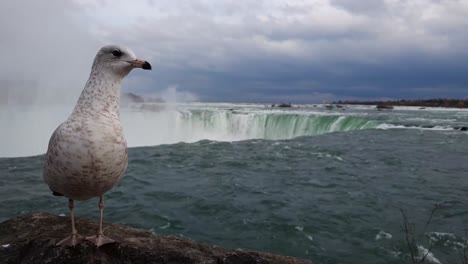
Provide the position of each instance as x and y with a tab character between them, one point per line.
249	51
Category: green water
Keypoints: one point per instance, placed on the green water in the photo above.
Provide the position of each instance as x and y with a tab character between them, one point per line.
331	197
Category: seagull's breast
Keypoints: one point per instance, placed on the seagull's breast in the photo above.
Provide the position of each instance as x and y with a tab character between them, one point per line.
87	156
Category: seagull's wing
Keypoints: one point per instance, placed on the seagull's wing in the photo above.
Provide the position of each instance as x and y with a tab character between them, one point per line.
51	153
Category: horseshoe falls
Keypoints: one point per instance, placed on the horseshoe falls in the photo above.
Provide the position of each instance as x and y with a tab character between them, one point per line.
174	126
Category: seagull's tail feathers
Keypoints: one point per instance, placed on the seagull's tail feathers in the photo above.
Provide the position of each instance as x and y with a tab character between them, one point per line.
56	193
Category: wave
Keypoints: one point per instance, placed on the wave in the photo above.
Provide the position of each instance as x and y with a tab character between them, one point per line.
385	126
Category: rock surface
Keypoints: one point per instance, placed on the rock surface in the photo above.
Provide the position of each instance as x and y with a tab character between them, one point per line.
32	239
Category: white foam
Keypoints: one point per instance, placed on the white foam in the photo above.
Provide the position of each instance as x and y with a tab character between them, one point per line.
383	235
299	228
432	109
442	235
429	255
386	126
167	225
448	239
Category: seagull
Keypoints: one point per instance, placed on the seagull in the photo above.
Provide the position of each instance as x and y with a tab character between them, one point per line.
87	154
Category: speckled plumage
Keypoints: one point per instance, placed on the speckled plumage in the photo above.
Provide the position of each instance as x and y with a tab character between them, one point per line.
87	154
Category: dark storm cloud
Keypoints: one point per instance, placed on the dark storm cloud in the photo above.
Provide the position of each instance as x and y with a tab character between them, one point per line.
280	50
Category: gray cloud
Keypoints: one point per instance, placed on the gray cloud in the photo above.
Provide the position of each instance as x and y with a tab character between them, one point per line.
367	7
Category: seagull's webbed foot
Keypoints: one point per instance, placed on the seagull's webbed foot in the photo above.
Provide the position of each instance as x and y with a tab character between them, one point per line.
100	240
72	240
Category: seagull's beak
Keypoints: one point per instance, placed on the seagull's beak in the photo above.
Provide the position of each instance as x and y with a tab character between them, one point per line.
140	64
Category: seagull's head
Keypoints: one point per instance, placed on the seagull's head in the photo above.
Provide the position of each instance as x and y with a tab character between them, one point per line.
118	60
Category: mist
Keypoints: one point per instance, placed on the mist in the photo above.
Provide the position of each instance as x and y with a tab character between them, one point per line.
47	53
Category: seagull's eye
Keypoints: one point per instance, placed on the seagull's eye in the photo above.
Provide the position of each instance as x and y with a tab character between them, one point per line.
117	53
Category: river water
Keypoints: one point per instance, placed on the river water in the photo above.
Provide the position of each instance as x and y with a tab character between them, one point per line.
324	185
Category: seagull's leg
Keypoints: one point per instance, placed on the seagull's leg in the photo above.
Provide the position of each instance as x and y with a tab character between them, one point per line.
74	238
99	239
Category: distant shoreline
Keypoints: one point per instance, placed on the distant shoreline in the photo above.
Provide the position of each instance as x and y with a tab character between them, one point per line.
449	103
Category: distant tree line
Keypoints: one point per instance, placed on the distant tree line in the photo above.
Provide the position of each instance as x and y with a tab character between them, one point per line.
438	102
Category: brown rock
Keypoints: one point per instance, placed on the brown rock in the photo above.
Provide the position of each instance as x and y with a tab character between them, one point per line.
32	239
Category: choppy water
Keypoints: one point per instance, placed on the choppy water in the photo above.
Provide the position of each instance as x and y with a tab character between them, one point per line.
331	196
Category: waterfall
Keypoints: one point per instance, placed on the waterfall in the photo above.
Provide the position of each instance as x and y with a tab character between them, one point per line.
167	127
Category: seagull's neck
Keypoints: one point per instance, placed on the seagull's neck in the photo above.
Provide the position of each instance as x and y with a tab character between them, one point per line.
100	96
